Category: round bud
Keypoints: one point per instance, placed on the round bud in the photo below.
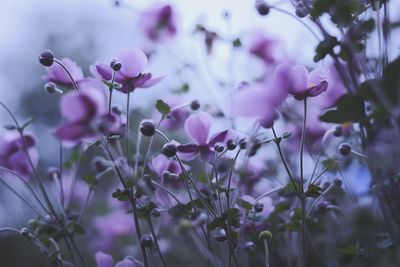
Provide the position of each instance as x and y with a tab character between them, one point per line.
344	149
258	207
24	231
117	110
243	143
221	236
169	150
195	105
115	65
265	235
338	182
50	88
147	128
302	10
156	212
337	131
46	58
230	144
146	241
53	172
99	164
219	147
262	8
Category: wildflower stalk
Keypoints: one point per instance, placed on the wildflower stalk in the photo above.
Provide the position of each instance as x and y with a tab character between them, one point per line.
68	73
153	233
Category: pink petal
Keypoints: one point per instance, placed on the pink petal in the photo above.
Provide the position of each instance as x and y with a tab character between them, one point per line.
133	61
103	259
197	126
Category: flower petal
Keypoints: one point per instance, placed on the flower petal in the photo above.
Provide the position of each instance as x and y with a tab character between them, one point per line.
152	82
103	259
125	263
318	89
188	151
133	61
220	137
197	126
298	80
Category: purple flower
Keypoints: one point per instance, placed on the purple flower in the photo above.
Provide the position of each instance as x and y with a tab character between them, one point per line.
261	101
335	89
105	260
269	50
56	74
80	111
162	164
13	156
159	22
198	126
176	118
131	75
304	84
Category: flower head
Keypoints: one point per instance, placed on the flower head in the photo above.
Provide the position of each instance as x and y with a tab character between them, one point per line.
12	152
197	127
159	22
131	75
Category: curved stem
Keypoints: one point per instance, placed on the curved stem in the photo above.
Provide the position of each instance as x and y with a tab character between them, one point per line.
68	73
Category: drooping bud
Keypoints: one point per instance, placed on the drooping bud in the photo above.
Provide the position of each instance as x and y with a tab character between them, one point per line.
302	9
337	131
169	150
230	144
258	207
147	128
146	241
115	65
46	58
344	149
243	143
221	236
51	88
262	8
219	147
338	182
195	105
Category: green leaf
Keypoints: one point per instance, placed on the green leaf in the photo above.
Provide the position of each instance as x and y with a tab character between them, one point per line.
244	204
286	135
90	179
349	108
202	178
282	206
29	121
10	127
121	195
331	165
162	107
237	43
74	228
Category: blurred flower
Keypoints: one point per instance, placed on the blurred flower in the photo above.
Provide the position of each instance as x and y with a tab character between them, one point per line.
176	118
105	260
131	75
267	49
80	111
168	169
159	22
261	101
56	74
12	154
198	126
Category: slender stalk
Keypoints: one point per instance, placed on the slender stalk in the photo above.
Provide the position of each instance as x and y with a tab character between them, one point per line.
76	248
153	233
127	127
62	198
266	251
68	73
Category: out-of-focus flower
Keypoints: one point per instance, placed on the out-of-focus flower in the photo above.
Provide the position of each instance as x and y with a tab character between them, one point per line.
198	126
335	90
131	75
159	22
176	118
105	260
81	111
303	84
13	156
167	169
267	49
261	101
56	74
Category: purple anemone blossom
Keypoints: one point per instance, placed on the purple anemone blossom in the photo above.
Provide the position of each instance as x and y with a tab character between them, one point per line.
162	165
159	22
261	101
105	260
81	111
304	84
177	117
56	74
13	156
198	126
130	76
267	49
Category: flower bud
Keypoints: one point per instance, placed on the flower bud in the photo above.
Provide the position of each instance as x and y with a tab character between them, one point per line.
337	131
302	9
265	235
53	172
117	110
46	58
51	88
262	8
146	241
147	128
338	182
195	105
99	164
243	143
115	65
344	149
221	236
258	207
219	147
169	150
230	144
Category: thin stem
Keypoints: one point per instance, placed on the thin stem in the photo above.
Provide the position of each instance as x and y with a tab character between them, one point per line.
111	89
81	258
266	251
68	73
62	198
85	205
127	127
153	233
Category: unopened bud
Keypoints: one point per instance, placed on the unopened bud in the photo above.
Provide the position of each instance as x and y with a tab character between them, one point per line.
195	105
337	131
219	147
230	144
258	207
46	58
146	241
51	88
262	8
115	65
147	128
344	149
265	235
169	150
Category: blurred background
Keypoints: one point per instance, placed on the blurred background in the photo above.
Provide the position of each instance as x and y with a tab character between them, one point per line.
94	30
